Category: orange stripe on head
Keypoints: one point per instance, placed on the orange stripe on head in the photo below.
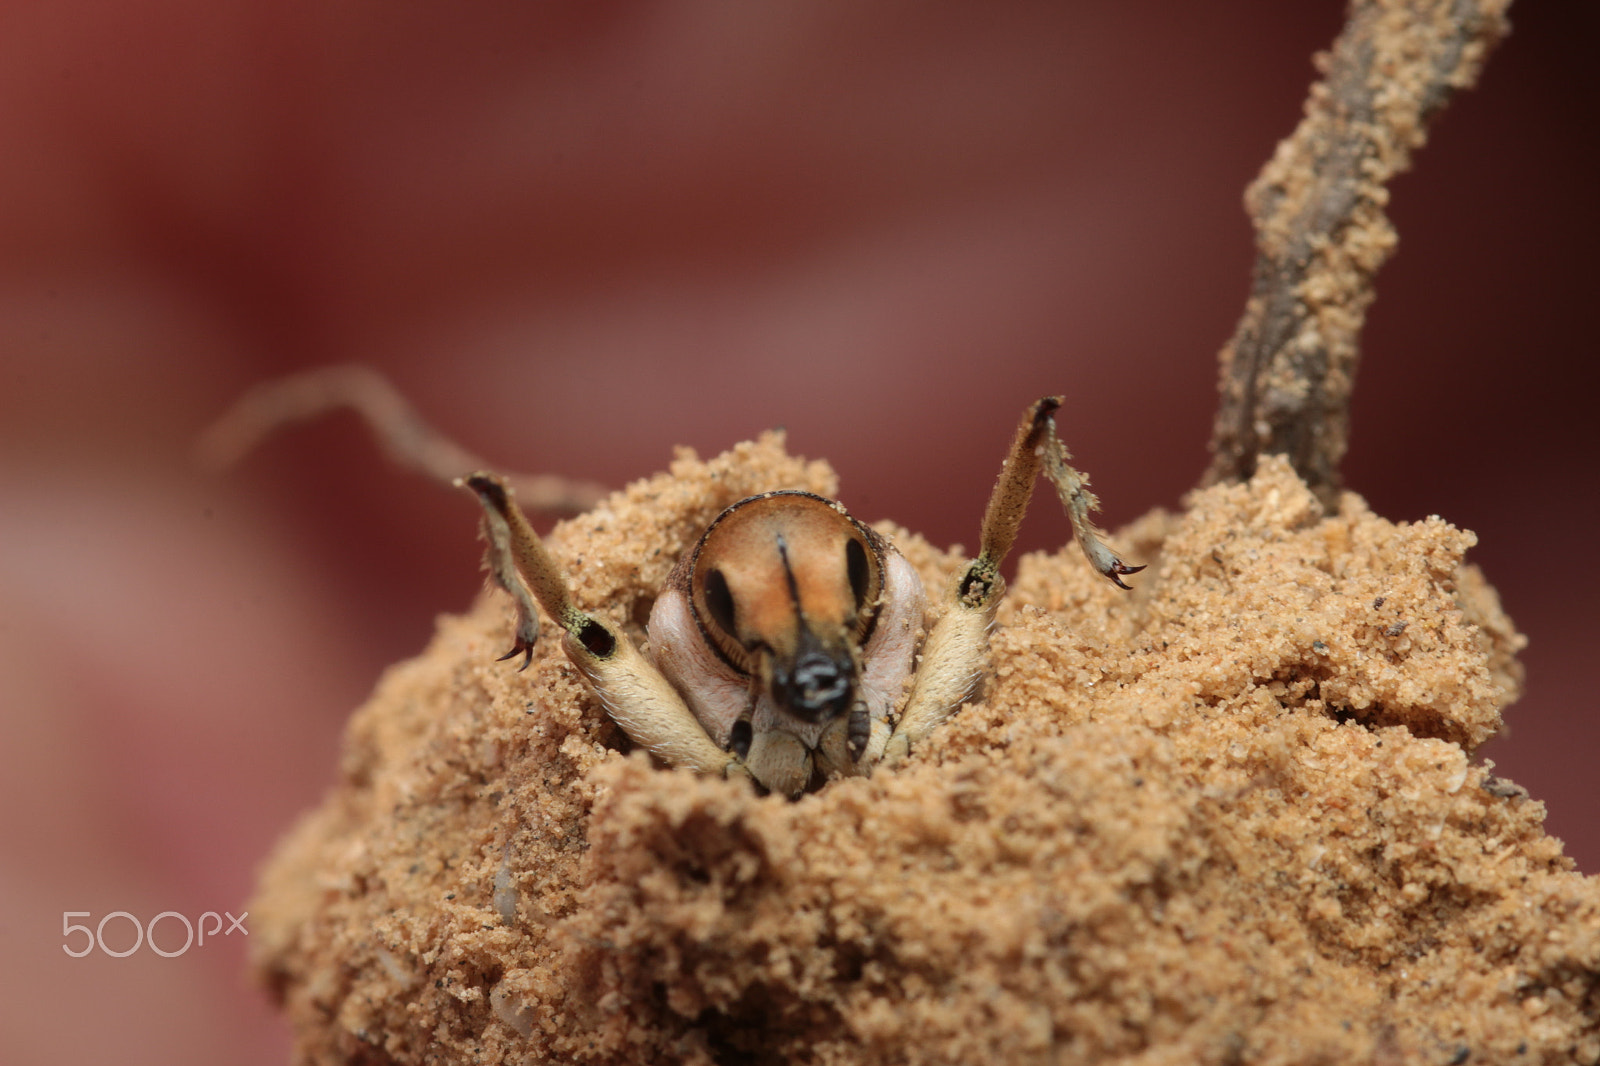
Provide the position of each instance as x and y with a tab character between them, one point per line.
781	579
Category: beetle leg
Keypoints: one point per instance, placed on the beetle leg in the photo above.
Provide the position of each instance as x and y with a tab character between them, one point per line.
952	661
1036	449
501	560
634	693
952	656
1072	488
647	708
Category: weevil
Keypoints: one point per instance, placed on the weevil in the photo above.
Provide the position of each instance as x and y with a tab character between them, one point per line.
783	641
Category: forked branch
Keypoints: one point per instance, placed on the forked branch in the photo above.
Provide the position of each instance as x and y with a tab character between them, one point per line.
1321	231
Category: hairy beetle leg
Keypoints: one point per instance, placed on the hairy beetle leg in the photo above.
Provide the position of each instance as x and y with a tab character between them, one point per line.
632	691
952	657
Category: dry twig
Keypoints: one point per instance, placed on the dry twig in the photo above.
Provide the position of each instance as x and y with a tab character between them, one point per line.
1321	232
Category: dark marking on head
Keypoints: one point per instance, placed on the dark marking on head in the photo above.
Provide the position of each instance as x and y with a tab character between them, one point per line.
719	601
739	741
788	575
855	562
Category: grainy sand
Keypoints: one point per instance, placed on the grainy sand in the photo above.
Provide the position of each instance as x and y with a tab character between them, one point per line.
1231	817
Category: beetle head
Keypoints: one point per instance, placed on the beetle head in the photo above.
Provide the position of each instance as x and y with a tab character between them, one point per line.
786	587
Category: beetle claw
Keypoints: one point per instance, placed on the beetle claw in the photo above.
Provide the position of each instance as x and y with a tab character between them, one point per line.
1118	568
523	648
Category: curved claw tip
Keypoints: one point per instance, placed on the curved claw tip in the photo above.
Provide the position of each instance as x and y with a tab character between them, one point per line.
1118	568
525	650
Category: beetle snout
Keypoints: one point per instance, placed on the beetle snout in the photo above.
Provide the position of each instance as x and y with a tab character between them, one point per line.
817	686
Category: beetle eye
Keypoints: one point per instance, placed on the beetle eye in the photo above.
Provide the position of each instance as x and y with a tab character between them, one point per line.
855	561
719	601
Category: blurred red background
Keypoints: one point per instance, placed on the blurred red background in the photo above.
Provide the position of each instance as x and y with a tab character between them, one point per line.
579	236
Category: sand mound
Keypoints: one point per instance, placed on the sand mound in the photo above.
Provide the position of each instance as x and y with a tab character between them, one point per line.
1231	817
